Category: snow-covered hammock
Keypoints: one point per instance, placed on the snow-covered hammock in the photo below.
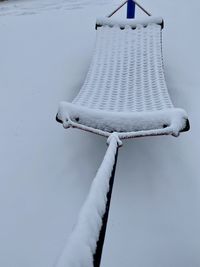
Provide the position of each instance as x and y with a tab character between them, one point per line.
125	89
124	95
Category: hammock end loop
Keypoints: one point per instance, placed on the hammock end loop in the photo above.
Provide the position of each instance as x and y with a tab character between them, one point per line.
115	136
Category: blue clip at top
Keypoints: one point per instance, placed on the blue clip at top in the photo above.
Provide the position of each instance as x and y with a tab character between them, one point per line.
130	9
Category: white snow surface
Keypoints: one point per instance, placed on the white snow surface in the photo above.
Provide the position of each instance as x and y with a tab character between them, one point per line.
46	171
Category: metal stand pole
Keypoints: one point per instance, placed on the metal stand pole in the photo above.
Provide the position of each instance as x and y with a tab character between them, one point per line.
100	243
130	9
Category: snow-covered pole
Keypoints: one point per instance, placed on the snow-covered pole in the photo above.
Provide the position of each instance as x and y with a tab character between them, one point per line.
130	9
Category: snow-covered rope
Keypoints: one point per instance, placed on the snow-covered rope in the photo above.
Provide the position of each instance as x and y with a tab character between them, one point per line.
81	245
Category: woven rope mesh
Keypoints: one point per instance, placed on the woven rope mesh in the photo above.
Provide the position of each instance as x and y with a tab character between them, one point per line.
126	72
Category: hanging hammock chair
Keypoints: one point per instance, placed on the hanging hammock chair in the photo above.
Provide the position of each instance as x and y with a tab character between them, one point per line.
124	96
125	89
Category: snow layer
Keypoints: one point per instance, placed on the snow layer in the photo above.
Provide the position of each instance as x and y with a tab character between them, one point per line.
109	122
82	242
131	22
46	171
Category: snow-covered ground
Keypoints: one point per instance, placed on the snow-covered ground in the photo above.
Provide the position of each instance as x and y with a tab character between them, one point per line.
46	171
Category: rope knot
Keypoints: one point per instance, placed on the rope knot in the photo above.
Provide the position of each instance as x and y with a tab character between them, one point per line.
116	137
68	122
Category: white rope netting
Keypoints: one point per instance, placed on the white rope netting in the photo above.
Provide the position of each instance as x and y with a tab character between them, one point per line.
126	73
125	88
